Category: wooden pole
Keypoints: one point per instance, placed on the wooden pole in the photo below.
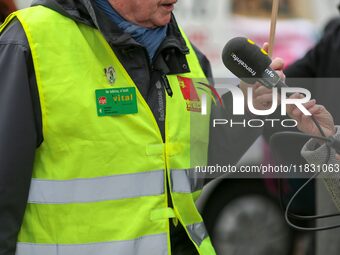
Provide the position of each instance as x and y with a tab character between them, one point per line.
275	12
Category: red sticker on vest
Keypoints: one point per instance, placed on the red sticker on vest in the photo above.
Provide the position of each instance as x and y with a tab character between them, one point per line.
190	94
102	100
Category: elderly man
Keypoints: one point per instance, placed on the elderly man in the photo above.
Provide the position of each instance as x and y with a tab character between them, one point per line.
96	101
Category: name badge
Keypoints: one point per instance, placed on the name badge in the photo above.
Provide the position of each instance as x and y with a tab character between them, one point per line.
116	101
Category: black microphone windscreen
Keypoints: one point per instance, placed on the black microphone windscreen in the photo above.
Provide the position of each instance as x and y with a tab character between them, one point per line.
245	59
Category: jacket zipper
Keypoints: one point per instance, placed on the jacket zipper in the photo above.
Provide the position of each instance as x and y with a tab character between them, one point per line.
166	85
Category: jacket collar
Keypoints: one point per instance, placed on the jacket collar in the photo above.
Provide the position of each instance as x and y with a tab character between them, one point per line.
85	11
170	58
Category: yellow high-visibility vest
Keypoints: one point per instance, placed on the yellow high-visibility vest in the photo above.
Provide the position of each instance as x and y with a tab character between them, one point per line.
99	183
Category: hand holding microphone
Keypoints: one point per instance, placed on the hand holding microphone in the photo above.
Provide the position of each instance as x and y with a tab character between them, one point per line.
252	65
306	124
255	69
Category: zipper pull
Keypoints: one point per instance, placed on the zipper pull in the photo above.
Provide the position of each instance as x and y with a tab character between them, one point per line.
167	85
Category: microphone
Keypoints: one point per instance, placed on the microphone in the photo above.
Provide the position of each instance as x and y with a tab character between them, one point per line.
250	63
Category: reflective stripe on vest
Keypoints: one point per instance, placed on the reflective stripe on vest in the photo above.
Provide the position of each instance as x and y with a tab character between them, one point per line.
146	245
97	189
198	232
186	181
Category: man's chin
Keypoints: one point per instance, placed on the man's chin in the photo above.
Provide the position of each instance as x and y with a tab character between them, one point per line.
161	22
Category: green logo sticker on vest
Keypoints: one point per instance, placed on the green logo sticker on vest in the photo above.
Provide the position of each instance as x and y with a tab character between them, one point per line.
117	101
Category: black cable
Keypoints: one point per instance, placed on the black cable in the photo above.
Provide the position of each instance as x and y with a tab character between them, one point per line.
292	133
314	217
317	124
292	215
329	141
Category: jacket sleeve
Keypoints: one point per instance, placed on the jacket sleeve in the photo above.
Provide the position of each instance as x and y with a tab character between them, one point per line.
18	135
316	154
319	157
321	60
